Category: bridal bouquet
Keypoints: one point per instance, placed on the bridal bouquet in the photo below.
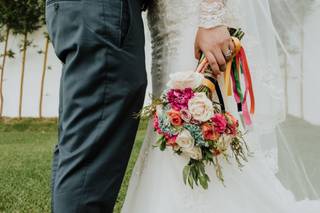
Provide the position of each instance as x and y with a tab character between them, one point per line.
190	118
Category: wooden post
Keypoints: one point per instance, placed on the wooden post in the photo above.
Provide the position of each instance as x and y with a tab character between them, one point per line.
44	68
2	70
24	51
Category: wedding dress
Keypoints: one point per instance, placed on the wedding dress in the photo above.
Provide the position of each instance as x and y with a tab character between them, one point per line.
156	185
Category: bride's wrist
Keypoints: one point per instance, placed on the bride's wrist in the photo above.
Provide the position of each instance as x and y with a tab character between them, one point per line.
219	26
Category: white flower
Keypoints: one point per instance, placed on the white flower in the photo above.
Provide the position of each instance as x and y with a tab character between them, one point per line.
185	140
182	80
200	107
194	153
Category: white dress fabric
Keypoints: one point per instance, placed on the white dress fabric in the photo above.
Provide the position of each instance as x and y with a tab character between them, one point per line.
156	185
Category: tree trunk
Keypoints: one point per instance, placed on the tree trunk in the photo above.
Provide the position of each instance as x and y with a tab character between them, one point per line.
2	69
24	52
44	68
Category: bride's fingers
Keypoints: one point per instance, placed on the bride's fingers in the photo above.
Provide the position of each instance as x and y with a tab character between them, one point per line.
213	63
197	52
217	52
231	45
227	52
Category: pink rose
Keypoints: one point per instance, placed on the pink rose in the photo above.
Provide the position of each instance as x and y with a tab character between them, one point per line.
185	115
209	133
219	122
174	117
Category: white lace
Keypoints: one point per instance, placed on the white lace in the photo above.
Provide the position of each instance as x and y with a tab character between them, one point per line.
212	13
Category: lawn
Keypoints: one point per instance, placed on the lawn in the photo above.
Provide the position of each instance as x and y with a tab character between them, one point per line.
25	161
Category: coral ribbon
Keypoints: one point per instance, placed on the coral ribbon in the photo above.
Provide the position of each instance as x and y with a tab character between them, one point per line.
235	67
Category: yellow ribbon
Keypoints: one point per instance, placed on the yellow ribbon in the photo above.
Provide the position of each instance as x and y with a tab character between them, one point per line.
209	84
227	79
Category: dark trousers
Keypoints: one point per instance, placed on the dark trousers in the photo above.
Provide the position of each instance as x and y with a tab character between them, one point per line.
101	46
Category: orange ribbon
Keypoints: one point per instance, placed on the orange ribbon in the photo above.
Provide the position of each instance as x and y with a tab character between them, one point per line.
241	63
227	80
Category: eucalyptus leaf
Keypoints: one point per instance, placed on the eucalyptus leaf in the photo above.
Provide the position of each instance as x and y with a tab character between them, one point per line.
195	174
186	172
203	182
190	181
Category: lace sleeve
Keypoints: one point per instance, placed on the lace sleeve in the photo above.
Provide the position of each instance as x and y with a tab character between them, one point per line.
212	13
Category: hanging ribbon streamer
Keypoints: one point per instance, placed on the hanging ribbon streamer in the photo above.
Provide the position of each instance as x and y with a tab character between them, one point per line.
235	68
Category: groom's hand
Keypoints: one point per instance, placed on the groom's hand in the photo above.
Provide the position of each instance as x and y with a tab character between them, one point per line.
217	46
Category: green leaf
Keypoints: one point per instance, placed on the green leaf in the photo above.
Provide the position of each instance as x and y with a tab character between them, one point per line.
195	174
203	182
159	141
190	181
202	169
163	143
207	177
186	172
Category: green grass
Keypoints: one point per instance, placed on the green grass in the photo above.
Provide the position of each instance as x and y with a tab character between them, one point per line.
25	165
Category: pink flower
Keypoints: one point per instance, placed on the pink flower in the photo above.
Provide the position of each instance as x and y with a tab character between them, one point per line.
185	115
171	141
156	124
233	124
179	99
232	130
174	117
209	132
219	122
231	119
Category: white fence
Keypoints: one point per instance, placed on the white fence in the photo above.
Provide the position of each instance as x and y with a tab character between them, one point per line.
300	85
32	80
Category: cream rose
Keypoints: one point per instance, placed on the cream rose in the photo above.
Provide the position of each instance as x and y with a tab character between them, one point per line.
185	140
182	80
194	153
200	107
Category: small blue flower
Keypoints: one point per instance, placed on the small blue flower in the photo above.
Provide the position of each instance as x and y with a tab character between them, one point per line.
196	133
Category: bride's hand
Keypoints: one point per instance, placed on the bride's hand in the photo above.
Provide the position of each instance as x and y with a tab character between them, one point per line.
217	46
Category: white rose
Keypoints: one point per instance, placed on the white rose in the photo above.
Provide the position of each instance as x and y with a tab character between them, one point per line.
182	80
200	107
194	153
185	140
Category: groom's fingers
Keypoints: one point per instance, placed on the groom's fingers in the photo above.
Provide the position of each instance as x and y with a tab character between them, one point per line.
213	63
